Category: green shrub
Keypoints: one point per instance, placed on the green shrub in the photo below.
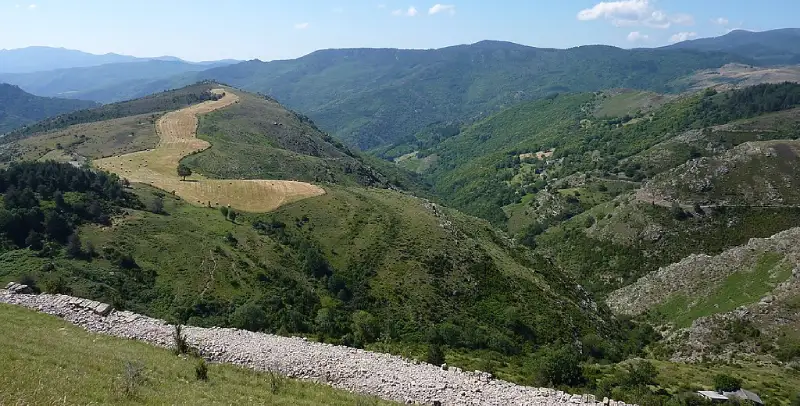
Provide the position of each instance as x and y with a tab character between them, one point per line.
727	383
435	354
561	366
201	370
180	345
276	382
131	379
250	316
641	373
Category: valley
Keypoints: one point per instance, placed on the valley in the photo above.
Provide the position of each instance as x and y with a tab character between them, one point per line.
616	222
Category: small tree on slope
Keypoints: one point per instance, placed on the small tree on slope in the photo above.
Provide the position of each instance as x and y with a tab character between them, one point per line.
184	171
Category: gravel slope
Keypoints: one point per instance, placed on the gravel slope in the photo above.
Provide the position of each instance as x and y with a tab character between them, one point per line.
386	376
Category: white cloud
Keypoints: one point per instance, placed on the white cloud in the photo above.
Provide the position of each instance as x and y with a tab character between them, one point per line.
411	12
629	13
682	36
442	8
636	36
32	7
301	26
720	21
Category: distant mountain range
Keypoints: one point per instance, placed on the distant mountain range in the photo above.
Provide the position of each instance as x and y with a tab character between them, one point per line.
373	98
105	83
775	47
18	108
36	59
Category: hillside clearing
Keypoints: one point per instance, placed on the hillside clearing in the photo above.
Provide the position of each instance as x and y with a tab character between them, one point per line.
178	138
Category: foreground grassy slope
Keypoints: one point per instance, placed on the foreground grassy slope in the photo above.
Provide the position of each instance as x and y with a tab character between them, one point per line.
49	361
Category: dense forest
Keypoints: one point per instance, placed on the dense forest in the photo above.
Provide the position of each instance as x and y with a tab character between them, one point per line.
45	203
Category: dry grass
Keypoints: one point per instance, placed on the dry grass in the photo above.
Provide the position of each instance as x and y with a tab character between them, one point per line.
92	140
178	138
738	75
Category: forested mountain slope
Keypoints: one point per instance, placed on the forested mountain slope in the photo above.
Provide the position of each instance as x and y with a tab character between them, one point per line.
375	97
536	148
18	108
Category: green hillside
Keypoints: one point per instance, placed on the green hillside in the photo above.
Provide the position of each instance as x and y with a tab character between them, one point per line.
359	266
258	138
493	163
49	361
18	108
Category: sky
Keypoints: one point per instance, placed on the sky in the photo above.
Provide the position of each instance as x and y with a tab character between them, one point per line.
200	30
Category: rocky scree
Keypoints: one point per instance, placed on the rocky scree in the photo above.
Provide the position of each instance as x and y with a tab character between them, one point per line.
386	376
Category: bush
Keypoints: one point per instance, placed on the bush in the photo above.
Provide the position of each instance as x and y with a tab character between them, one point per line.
727	383
56	285
201	370
561	366
249	317
74	247
31	282
157	205
276	382
435	355
224	211
641	373
180	345
131	379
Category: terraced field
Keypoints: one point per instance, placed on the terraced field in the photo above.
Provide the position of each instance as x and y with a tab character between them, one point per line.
177	133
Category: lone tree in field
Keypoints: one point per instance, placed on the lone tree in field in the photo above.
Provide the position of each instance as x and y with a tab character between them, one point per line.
184	171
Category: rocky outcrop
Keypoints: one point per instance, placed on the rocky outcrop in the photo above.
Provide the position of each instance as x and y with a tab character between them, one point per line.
696	275
382	375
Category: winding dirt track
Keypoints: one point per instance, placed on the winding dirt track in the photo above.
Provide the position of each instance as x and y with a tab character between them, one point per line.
177	131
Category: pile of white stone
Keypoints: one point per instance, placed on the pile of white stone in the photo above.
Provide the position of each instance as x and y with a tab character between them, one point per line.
382	375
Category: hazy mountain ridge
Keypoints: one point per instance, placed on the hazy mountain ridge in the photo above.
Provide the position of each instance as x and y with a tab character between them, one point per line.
18	108
773	47
40	58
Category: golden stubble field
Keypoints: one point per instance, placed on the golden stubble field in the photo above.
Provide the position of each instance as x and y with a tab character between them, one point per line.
177	133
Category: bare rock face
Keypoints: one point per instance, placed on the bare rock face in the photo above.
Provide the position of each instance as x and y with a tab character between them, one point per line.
386	376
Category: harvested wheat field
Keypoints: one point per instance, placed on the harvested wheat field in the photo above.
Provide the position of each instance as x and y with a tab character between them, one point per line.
177	133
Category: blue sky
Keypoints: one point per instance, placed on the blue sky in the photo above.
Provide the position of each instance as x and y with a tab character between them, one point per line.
267	29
